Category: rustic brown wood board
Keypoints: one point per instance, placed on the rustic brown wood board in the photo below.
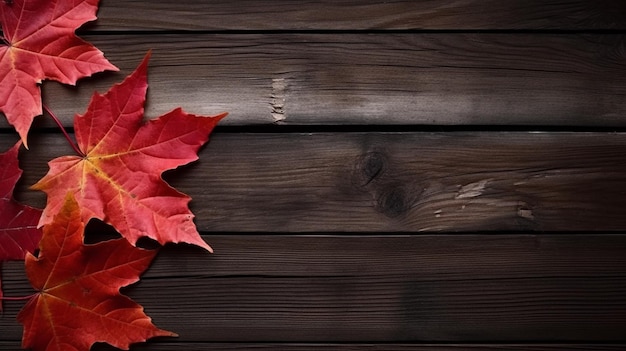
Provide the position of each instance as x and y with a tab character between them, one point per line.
376	78
398	175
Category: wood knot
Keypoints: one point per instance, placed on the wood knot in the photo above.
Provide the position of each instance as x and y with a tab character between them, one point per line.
369	167
395	200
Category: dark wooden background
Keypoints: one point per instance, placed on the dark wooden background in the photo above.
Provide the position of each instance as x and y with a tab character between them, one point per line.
393	175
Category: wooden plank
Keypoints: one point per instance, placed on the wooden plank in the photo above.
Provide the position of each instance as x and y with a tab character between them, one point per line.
455	181
457	288
357	15
422	257
338	79
370	347
168	346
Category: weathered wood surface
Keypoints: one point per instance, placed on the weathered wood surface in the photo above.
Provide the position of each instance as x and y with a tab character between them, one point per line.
359	15
383	288
347	89
335	79
166	346
457	181
377	347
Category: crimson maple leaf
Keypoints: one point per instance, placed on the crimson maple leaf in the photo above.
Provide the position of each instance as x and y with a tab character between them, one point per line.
39	43
78	302
119	178
18	223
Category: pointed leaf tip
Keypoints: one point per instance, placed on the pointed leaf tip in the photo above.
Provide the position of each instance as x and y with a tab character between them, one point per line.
142	68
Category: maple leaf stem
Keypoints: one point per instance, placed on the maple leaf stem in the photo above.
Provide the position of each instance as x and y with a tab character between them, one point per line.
18	298
67	136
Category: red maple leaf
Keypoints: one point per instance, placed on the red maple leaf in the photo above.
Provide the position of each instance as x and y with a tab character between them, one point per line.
39	43
18	223
118	180
78	302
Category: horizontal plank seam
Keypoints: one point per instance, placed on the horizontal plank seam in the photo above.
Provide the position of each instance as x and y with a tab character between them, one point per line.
435	343
378	234
377	128
402	343
179	276
351	31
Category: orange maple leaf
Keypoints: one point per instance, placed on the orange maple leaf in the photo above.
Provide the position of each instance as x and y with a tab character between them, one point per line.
39	43
78	301
118	180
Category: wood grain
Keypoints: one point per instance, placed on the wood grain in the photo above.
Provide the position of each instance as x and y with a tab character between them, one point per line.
169	346
359	15
382	288
353	79
520	246
372	347
369	182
